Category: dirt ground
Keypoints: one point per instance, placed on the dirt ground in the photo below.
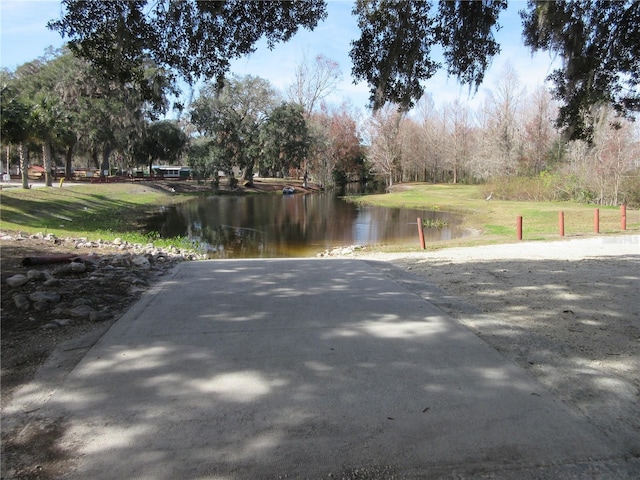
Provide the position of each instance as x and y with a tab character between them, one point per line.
28	452
567	312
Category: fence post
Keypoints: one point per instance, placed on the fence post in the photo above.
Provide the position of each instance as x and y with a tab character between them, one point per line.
596	220
421	233
561	223
623	217
519	227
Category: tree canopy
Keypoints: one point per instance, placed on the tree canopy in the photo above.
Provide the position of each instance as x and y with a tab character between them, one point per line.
393	53
599	43
194	38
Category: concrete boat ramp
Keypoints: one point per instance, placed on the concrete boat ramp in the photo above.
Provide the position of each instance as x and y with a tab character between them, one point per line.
311	368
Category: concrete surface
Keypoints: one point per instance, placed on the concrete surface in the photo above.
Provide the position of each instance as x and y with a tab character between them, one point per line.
251	369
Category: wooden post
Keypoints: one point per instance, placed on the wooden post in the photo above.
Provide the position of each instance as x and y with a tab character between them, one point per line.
561	223
421	233
596	220
623	217
519	227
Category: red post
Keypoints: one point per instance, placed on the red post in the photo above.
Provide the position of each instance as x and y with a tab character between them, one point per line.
561	223
623	217
596	220
519	227
421	233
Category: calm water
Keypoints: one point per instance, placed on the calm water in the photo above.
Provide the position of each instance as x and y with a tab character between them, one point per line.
266	226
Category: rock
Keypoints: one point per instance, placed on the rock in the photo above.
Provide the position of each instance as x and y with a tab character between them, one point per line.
82	311
141	262
100	316
54	324
17	280
78	267
21	301
35	275
69	268
134	290
81	301
45	297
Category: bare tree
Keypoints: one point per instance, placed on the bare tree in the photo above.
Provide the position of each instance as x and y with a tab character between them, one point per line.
539	134
614	153
385	151
504	126
459	134
432	143
314	82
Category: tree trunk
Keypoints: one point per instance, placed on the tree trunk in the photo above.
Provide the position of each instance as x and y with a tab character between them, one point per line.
104	166
67	166
9	160
46	163
24	167
247	174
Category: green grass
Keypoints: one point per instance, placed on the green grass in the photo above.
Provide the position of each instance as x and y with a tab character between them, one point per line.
105	211
108	211
496	220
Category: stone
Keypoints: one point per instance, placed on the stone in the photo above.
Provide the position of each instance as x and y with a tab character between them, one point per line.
17	280
78	267
35	275
21	301
81	301
81	311
141	262
44	297
100	316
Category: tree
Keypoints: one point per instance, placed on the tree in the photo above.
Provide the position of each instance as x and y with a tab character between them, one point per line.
393	53
336	155
459	137
504	103
386	146
314	82
614	152
599	43
285	139
163	141
539	134
432	138
232	117
199	158
194	38
14	122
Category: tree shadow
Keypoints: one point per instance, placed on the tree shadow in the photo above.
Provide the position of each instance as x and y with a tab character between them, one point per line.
304	368
572	324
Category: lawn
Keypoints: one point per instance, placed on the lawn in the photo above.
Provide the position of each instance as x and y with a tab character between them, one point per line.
115	210
495	220
102	211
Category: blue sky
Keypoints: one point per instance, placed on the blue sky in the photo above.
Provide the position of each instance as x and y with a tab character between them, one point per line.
24	37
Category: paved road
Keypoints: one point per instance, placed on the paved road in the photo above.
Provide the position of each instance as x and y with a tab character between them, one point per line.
251	369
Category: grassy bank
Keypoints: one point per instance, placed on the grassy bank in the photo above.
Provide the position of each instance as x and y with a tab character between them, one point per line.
495	220
93	211
115	210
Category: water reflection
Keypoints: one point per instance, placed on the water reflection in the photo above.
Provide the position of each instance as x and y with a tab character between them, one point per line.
272	226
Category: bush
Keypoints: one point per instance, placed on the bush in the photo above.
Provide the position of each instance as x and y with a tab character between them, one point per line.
630	189
542	187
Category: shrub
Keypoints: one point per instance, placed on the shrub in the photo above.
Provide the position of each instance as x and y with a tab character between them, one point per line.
630	189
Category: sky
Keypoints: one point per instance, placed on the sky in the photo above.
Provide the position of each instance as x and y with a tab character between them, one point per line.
25	37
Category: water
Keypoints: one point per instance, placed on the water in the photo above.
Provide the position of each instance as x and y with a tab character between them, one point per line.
271	226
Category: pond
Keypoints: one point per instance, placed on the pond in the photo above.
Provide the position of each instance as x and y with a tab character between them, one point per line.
272	226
